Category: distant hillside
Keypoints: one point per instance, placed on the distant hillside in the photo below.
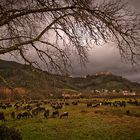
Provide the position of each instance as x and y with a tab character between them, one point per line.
39	84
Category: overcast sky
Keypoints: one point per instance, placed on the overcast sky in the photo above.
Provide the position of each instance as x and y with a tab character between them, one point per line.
107	58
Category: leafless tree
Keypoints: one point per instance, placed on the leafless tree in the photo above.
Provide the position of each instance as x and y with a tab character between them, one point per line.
52	29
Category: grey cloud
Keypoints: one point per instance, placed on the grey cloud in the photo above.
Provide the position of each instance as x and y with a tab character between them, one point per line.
135	4
107	58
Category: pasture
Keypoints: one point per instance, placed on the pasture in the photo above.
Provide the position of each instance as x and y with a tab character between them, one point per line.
103	122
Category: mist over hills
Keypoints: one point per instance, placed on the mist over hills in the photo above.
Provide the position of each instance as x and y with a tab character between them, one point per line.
40	84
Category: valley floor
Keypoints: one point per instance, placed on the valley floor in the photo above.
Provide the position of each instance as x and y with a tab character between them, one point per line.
101	123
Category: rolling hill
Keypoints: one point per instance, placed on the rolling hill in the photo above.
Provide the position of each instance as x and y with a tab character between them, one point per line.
35	83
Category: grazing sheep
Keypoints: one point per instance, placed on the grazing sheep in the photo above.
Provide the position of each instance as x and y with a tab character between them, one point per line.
46	113
37	110
95	105
3	107
24	115
75	103
13	114
2	117
65	114
128	112
89	104
55	114
67	103
56	106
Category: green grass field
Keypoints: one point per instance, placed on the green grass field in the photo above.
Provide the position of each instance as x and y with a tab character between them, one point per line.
101	123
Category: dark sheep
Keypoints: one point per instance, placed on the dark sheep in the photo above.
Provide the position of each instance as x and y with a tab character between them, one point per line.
37	110
13	114
67	103
27	114
57	106
2	117
55	114
24	115
46	113
8	105
128	112
3	107
123	104
89	104
28	107
95	105
19	116
75	103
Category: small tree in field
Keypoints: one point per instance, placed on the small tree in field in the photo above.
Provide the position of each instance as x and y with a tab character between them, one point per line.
51	29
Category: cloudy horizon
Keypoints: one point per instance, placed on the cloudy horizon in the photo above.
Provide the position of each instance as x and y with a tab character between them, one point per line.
107	58
110	60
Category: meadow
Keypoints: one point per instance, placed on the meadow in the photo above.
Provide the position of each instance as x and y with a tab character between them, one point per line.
83	123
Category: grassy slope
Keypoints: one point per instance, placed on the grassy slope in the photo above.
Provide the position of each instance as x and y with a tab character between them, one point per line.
108	123
19	75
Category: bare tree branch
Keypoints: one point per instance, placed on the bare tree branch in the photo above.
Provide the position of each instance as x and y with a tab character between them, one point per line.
55	28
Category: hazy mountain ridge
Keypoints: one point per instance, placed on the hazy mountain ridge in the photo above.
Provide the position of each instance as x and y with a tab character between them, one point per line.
42	84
